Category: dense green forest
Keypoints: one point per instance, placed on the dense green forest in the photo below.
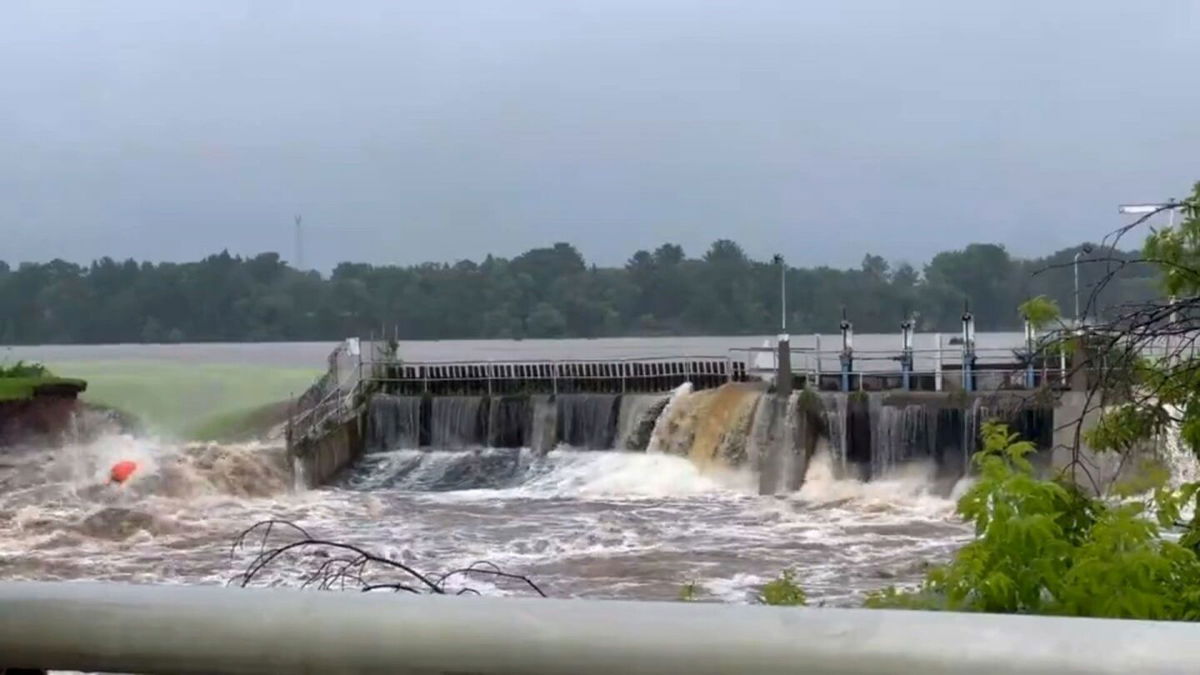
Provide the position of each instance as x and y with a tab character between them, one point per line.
544	292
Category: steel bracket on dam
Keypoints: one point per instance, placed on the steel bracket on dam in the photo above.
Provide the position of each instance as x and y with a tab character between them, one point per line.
130	628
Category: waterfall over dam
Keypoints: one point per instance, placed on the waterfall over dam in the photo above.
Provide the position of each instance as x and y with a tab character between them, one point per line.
866	435
766	411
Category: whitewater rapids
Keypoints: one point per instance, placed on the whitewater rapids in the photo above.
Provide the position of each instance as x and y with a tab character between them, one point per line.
581	524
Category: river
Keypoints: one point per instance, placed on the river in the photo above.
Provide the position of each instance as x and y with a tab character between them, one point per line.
590	524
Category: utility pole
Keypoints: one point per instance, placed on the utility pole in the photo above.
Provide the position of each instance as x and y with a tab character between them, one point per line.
782	294
299	244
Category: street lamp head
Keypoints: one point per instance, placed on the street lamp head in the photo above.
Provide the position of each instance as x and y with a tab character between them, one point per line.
1143	209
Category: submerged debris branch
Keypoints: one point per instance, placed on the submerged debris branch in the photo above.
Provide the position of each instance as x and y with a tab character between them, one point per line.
341	566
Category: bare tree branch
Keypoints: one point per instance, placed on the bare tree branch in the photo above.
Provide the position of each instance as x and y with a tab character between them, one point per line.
337	570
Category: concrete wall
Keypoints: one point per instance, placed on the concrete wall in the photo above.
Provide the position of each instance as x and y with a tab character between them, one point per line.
319	460
1096	471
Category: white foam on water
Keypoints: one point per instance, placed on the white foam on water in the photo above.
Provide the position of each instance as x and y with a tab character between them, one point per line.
88	464
579	523
567	473
740	588
627	474
1181	461
906	488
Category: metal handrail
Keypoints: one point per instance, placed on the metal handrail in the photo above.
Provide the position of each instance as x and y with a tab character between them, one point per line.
330	407
181	629
523	362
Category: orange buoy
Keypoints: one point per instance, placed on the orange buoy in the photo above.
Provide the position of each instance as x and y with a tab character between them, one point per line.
122	470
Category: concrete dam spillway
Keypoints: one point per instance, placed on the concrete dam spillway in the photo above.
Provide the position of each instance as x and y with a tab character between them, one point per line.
766	412
867	435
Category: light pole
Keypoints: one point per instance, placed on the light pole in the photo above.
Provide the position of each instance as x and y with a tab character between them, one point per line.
299	245
782	294
1145	210
1087	248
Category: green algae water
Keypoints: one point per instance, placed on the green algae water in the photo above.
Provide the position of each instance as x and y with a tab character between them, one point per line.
185	391
188	400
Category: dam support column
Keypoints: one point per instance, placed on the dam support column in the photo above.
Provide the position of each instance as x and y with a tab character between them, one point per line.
783	367
937	362
1030	353
847	354
777	443
1079	378
816	372
906	354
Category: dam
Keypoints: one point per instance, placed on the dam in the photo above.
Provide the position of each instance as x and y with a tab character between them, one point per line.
767	410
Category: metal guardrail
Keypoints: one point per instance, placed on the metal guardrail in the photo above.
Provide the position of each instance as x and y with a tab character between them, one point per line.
331	397
180	629
555	375
998	366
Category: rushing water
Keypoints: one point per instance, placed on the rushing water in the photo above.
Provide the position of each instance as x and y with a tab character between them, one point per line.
588	524
580	522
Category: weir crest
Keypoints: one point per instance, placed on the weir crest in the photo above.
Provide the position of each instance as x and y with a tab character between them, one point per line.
866	435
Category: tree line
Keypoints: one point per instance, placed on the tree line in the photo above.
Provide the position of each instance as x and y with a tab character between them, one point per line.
543	293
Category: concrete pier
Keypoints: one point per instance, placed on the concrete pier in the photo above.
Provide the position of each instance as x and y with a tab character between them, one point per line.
318	458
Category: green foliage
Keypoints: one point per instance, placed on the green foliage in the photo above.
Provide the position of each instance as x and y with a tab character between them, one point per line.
689	592
1121	428
1042	547
23	369
1177	249
21	380
783	591
1040	311
545	292
1160	394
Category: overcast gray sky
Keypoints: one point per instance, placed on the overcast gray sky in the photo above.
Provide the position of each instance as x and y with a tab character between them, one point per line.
445	129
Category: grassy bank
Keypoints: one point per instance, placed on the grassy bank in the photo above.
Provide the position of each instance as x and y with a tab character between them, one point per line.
20	381
22	388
